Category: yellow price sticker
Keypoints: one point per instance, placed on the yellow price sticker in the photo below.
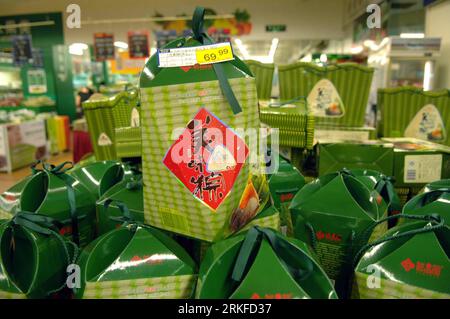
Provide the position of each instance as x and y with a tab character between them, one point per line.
214	53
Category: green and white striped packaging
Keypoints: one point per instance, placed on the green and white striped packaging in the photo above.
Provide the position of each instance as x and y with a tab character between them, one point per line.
168	204
103	116
263	73
390	289
352	82
169	287
400	105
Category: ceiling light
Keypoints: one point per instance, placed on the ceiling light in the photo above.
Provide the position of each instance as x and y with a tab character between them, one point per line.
273	49
412	35
121	44
78	48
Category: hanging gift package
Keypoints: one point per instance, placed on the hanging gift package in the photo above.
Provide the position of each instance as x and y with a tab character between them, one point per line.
135	261
33	257
331	214
196	142
409	261
262	264
284	184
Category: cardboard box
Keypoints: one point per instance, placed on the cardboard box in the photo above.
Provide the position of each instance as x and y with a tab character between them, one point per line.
374	155
418	162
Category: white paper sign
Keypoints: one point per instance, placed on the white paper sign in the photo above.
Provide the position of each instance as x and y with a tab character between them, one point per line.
422	168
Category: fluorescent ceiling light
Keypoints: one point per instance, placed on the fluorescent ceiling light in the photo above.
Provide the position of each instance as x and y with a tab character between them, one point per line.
78	48
412	35
427	76
273	49
121	44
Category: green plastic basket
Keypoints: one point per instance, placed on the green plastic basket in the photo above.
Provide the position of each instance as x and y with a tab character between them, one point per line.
399	107
103	116
263	73
352	82
292	116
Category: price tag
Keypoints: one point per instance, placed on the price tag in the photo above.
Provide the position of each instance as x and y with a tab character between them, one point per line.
214	53
188	56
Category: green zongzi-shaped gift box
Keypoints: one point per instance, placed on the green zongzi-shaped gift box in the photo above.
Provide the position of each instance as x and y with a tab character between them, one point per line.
138	262
284	184
409	261
332	214
127	192
262	264
33	257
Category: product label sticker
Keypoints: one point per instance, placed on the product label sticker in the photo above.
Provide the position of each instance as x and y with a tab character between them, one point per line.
135	119
324	100
422	168
104	140
207	158
427	124
189	56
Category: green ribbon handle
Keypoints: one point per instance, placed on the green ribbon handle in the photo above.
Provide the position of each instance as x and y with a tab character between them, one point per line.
126	219
202	37
385	185
297	265
60	172
135	184
437	223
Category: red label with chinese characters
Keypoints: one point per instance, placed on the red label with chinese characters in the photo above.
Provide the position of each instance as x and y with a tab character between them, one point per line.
207	158
420	267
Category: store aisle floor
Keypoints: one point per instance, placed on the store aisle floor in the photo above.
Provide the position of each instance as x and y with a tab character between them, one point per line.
7	180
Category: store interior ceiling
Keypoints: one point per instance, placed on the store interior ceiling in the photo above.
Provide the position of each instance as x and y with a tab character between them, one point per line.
312	26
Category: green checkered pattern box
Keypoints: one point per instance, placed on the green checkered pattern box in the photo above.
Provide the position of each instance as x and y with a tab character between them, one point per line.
390	289
168	203
169	287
